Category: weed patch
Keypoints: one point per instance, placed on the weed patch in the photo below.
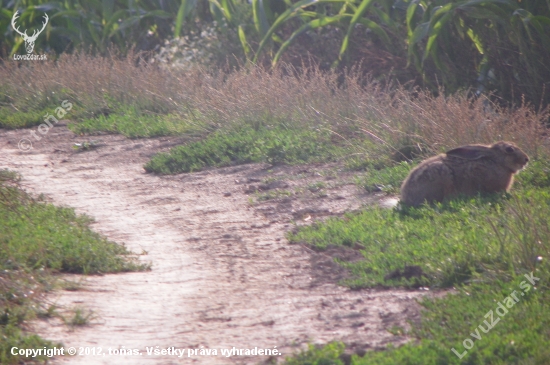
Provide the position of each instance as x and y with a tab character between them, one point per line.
80	317
134	123
39	235
330	355
273	194
387	179
245	145
11	119
451	243
131	97
393	242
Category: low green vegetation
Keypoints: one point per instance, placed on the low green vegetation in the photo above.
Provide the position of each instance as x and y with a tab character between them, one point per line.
329	355
11	119
244	145
483	246
273	194
386	179
131	121
452	243
34	110
134	123
518	334
38	235
80	317
37	240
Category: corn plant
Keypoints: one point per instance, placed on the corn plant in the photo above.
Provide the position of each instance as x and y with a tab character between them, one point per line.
503	42
488	44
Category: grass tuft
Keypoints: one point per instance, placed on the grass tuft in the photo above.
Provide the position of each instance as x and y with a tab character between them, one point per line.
80	317
245	145
387	179
37	240
134	123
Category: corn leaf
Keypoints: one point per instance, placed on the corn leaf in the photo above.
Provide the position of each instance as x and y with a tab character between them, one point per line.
474	37
179	18
358	14
290	13
411	10
316	23
244	43
443	14
259	17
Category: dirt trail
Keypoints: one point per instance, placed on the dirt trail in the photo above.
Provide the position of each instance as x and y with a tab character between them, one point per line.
223	274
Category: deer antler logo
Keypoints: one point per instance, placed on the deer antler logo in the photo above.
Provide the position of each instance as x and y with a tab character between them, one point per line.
29	41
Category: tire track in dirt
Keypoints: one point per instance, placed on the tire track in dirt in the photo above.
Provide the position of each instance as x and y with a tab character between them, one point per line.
223	275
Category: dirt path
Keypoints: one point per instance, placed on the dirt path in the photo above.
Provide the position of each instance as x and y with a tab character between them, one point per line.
223	274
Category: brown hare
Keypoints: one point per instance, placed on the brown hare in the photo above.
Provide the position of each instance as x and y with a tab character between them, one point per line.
464	170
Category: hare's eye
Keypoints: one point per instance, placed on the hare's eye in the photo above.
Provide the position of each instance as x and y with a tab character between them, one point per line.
509	149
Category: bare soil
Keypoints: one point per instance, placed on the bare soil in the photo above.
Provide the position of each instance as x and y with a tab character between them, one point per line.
223	274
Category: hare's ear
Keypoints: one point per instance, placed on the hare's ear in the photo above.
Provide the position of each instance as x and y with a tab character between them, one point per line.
469	152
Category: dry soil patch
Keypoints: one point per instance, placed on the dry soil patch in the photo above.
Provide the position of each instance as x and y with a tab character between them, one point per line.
223	274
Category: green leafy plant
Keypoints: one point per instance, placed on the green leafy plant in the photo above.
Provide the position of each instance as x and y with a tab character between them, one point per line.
468	37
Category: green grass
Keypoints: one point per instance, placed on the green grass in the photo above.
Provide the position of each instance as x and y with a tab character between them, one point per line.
273	194
11	119
134	123
483	246
537	174
38	235
80	317
452	243
519	336
327	355
37	240
387	179
245	145
32	109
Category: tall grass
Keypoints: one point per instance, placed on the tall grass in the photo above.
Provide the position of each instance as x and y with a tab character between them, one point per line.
489	45
386	118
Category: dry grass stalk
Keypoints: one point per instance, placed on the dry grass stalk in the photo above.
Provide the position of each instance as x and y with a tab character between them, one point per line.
350	105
